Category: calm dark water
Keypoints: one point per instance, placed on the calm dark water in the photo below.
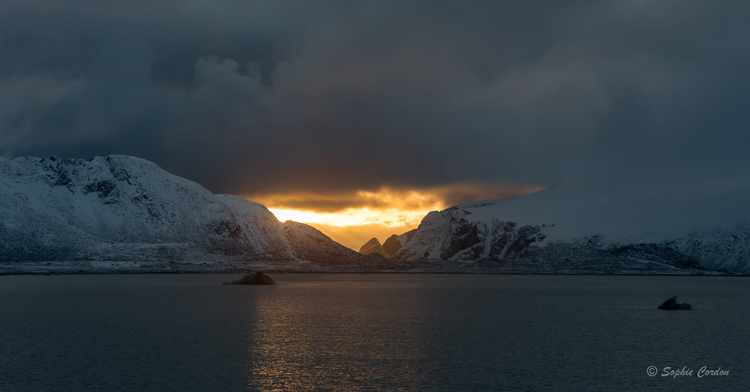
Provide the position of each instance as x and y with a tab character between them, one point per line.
370	332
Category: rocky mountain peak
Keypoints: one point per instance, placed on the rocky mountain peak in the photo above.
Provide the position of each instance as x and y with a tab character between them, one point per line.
372	246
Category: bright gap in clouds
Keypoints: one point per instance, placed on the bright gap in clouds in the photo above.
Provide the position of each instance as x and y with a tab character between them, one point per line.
354	218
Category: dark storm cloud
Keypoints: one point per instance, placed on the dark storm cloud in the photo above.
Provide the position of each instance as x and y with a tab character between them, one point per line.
273	97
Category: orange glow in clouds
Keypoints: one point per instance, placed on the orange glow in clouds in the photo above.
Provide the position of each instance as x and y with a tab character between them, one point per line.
385	207
354	218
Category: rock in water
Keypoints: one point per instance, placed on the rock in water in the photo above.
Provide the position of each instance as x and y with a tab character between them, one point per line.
671	304
253	278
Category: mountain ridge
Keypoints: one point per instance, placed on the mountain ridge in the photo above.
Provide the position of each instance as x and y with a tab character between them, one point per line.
121	208
389	248
126	214
567	229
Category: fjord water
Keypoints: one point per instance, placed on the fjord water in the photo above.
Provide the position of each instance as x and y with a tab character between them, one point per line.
370	332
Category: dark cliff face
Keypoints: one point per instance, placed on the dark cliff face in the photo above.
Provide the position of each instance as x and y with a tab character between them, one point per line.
501	240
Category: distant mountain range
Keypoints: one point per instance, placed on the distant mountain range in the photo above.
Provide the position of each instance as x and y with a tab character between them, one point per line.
567	230
125	214
390	247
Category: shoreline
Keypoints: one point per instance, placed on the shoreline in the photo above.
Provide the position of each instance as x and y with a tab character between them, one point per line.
55	272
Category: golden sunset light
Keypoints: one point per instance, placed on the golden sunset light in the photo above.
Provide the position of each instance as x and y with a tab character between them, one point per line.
355	226
389	217
354	218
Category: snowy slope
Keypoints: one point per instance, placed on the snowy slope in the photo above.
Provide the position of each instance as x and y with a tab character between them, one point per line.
126	208
705	227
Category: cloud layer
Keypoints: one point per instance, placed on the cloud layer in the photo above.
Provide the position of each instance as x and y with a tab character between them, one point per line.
267	97
430	198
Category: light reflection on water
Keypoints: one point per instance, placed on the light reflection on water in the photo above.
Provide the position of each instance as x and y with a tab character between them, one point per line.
343	334
368	332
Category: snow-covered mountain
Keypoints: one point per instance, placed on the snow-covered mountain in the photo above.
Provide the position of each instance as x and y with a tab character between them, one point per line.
121	208
564	229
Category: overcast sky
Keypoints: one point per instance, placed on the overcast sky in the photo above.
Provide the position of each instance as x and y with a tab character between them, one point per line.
254	97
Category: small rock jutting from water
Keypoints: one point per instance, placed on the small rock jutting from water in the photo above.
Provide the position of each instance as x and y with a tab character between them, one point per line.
253	278
671	304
